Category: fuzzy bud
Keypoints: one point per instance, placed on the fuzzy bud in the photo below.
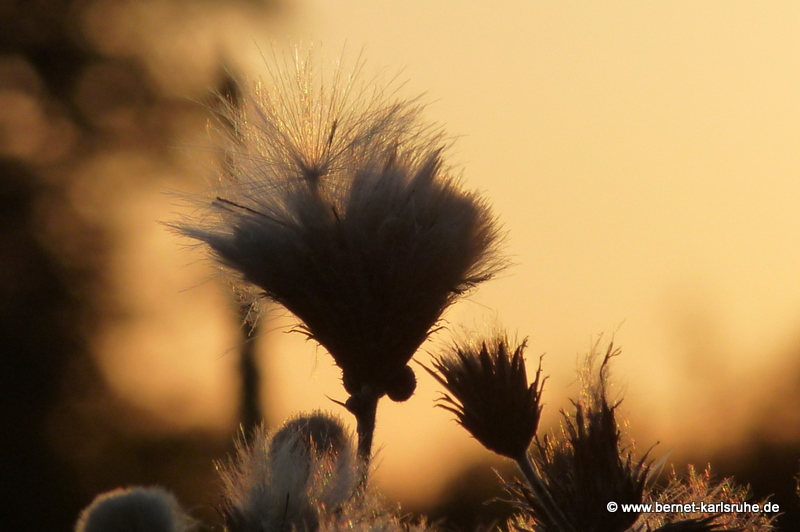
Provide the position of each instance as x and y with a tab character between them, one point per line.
134	510
289	479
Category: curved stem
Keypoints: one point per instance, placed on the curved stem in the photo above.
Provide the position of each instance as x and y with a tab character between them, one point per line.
526	466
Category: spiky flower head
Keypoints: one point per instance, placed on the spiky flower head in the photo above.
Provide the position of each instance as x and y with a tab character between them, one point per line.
700	524
290	479
489	393
338	205
382	521
135	509
585	467
703	486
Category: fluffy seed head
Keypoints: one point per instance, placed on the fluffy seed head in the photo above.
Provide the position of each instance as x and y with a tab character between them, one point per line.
338	205
134	509
489	393
290	479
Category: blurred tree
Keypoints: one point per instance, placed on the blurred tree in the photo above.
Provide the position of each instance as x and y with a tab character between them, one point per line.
45	306
67	95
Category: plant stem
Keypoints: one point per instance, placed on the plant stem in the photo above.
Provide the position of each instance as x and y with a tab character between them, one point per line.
528	472
250	414
364	406
249	408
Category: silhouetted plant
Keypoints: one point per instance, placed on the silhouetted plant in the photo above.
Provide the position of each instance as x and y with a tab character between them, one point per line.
585	466
489	393
338	206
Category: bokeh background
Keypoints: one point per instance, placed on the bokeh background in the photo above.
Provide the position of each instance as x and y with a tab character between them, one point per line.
643	157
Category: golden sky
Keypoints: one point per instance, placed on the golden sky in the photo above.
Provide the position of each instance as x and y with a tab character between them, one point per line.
643	157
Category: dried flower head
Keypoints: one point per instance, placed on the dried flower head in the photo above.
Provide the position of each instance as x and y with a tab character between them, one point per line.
705	524
382	521
585	466
290	479
489	393
134	509
339	207
701	486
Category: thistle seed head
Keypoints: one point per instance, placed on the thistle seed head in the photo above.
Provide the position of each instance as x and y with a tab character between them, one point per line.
316	435
338	205
489	393
290	479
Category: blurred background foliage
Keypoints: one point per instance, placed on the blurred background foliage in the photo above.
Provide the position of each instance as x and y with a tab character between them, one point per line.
95	96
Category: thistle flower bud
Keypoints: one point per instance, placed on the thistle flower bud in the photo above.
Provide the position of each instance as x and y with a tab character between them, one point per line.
489	393
289	479
134	510
316	435
339	206
584	467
